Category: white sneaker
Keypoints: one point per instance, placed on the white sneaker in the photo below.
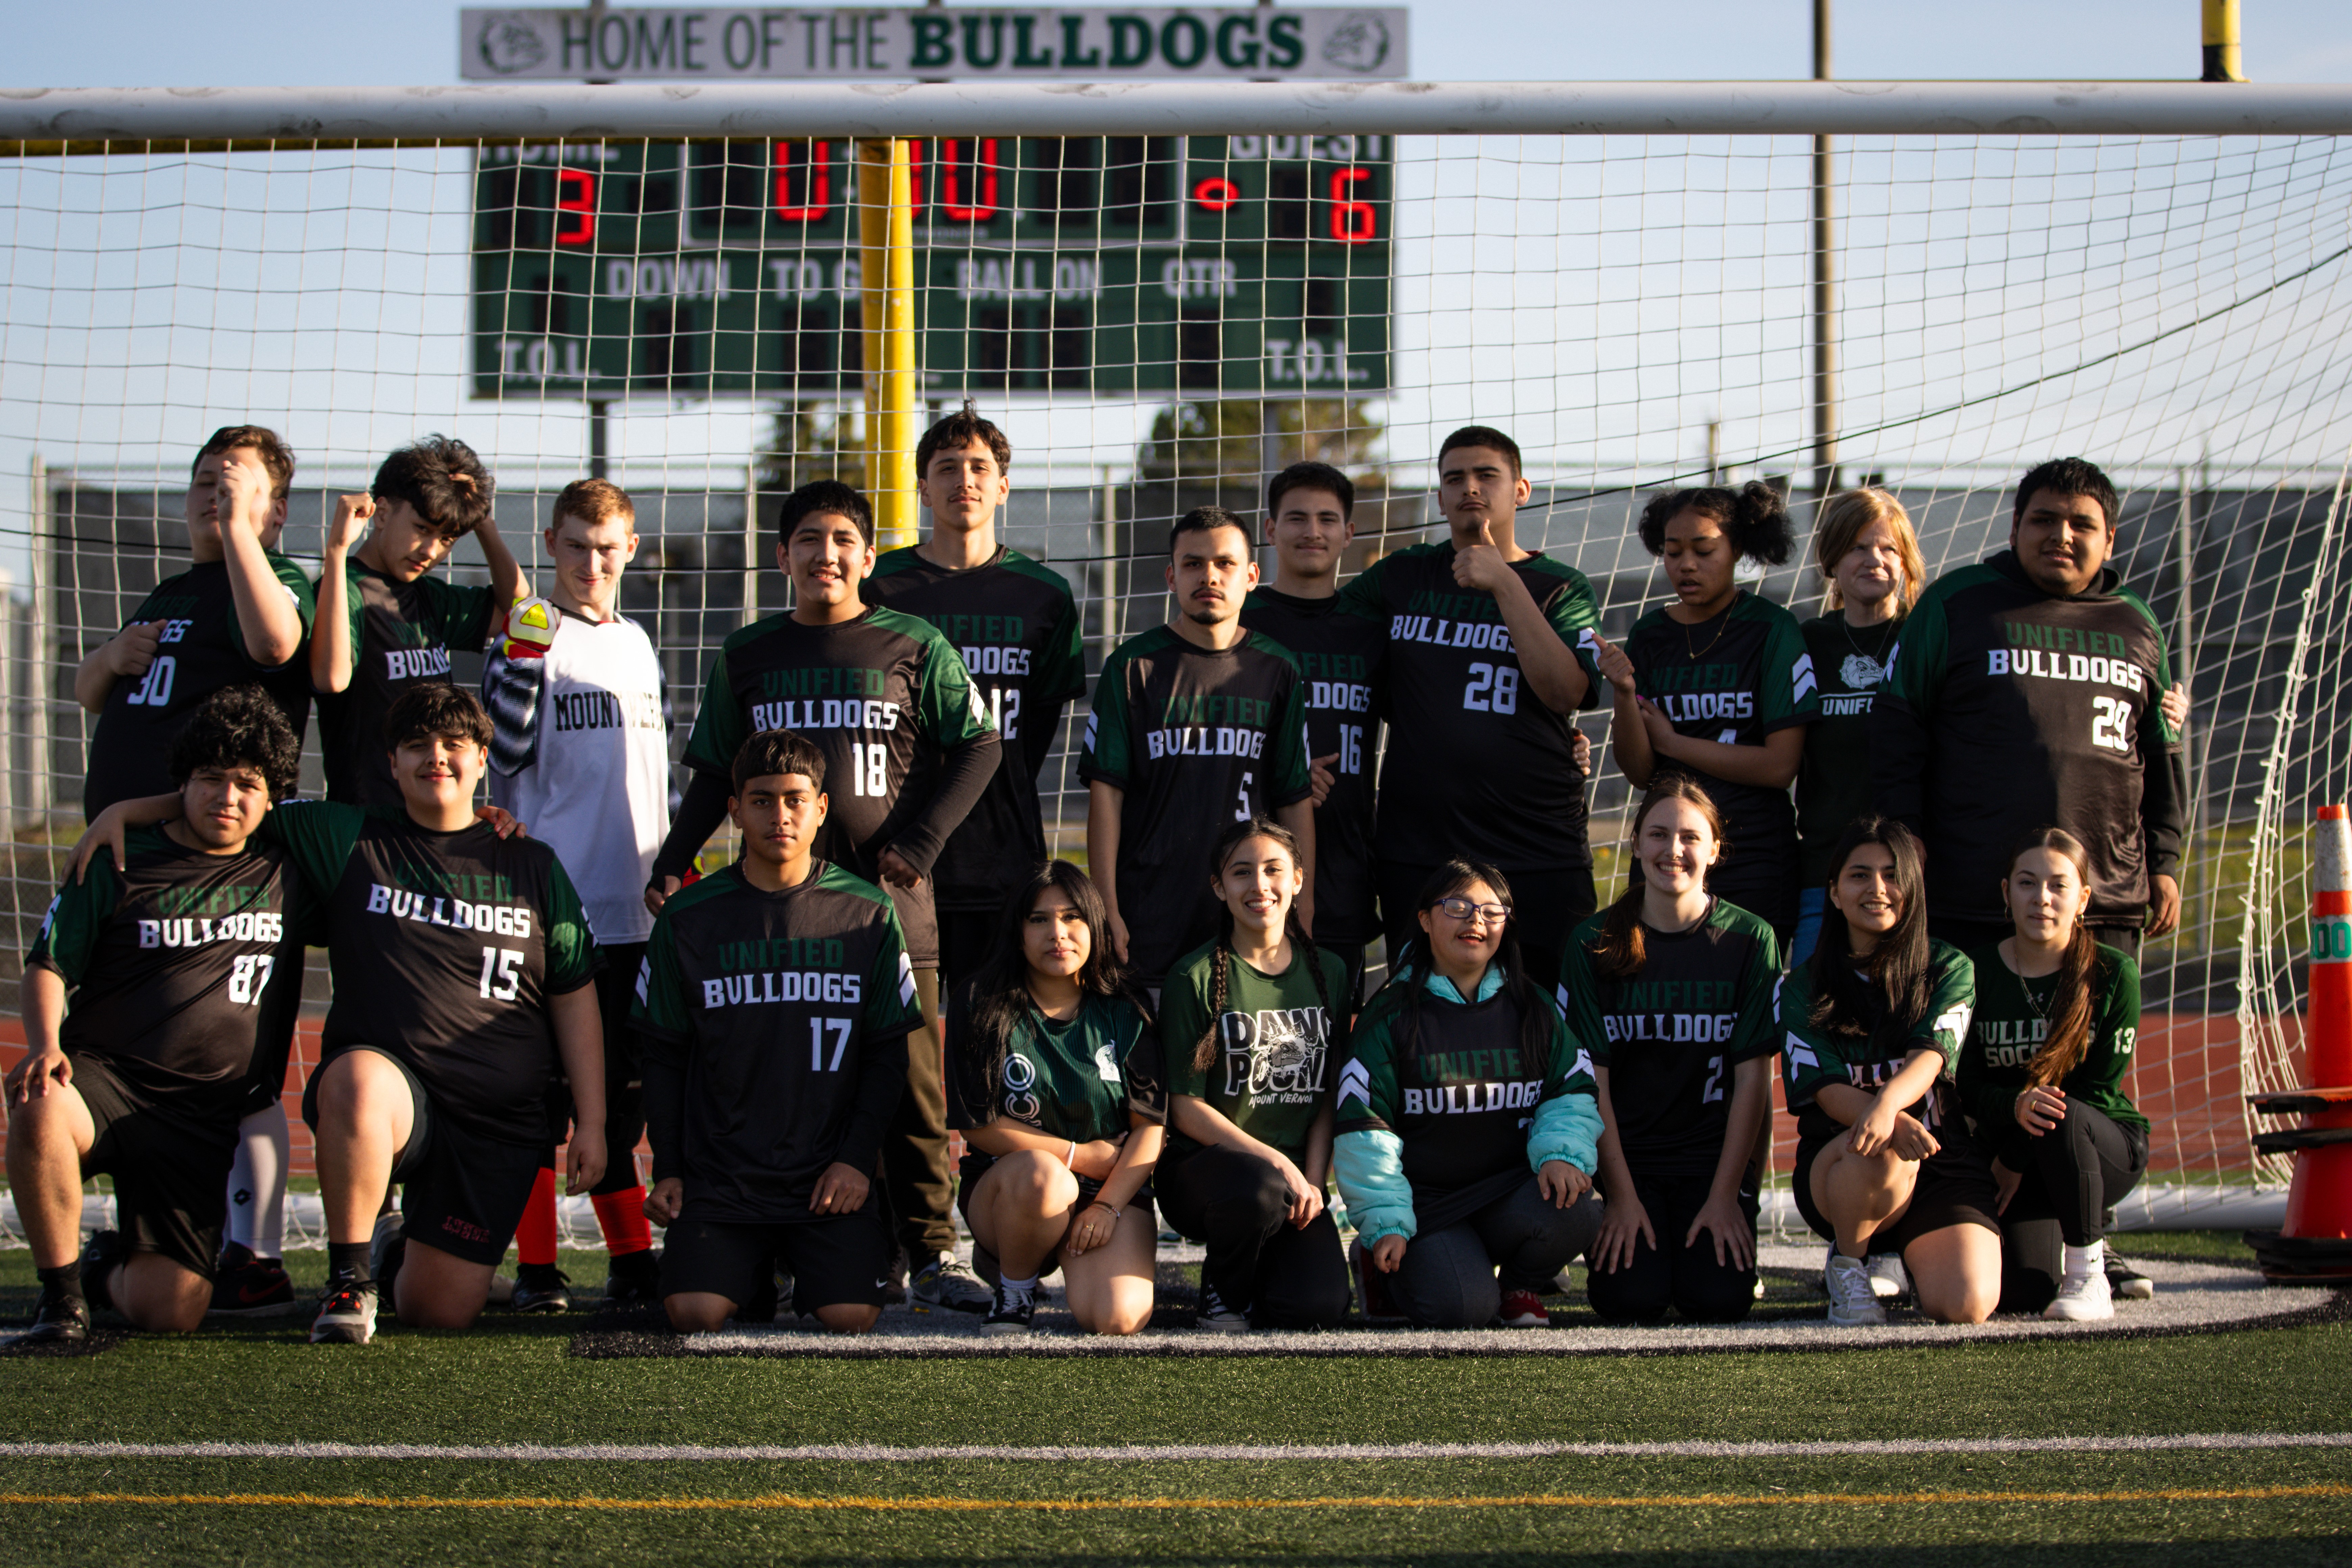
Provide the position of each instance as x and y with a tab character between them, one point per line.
1852	1301
2081	1298
1888	1282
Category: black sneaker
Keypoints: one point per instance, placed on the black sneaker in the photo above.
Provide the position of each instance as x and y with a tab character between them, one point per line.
634	1279
60	1319
1008	1313
246	1286
542	1288
346	1313
1217	1316
103	1254
2126	1283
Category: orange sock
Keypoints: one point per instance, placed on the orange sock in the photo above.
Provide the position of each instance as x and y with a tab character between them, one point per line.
535	1237
622	1216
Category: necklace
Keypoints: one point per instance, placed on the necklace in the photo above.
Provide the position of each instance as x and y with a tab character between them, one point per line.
1724	616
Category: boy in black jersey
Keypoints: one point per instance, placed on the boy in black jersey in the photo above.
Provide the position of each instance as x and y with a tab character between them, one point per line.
1016	626
1488	656
886	700
1309	508
386	623
1196	725
186	973
762	1148
464	975
2025	693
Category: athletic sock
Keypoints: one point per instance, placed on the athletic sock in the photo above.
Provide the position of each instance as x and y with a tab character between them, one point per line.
621	1218
535	1237
257	1184
65	1279
1018	1290
2081	1262
348	1261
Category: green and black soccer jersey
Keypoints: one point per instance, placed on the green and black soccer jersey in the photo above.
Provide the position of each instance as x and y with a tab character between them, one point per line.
1338	652
184	970
1477	764
199	649
2008	709
1811	1056
1739	677
1454	1084
445	949
401	633
1671	1036
773	1027
1016	627
2013	1021
1197	740
1082	1078
1834	783
1273	1046
883	697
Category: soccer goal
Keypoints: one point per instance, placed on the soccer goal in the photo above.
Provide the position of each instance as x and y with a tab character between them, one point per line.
1165	293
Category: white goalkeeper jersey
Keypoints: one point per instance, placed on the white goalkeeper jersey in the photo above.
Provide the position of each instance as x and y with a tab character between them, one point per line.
581	754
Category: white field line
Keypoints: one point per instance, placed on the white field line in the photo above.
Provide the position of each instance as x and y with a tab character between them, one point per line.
872	1453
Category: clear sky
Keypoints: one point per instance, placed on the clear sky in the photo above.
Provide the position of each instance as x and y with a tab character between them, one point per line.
169	43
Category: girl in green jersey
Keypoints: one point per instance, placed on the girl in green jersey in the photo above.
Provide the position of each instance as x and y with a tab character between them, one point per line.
2041	1076
1060	1113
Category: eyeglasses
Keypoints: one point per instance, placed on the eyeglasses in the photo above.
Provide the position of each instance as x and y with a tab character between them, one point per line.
1462	908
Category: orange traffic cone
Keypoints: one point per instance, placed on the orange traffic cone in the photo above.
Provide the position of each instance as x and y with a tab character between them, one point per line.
2315	1246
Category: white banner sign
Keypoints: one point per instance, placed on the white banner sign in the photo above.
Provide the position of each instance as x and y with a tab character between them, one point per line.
742	44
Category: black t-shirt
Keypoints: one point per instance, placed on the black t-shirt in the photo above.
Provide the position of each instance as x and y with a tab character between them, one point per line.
185	970
1477	764
200	648
401	633
882	696
444	949
1197	740
1338	654
1833	781
1739	677
1671	1034
1016	627
787	1014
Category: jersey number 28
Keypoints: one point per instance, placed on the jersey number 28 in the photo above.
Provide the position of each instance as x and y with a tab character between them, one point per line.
1493	689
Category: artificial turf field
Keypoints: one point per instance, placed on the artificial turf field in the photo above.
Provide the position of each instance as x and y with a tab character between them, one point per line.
511	1382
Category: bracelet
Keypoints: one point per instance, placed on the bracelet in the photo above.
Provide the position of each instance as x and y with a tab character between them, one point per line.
1115	1213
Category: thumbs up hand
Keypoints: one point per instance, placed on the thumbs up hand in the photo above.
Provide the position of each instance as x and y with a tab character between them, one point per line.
1481	565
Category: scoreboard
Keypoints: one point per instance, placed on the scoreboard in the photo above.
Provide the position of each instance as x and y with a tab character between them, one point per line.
1198	266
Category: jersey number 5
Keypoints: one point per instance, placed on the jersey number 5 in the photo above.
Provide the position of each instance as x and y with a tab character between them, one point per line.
502	965
1493	689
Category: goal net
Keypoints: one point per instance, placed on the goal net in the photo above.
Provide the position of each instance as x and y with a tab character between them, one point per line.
1161	322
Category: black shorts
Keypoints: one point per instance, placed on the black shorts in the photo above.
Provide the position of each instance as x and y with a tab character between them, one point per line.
1955	1187
834	1262
169	1155
459	1194
975	1166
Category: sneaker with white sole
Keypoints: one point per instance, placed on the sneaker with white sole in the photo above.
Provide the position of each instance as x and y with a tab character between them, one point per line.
346	1313
1853	1303
2126	1283
1523	1309
1008	1312
1888	1281
2081	1298
945	1283
1218	1318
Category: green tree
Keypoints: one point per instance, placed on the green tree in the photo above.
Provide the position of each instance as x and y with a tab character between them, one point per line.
1235	441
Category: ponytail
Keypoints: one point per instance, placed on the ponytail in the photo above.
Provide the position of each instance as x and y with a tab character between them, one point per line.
1619	955
2069	1039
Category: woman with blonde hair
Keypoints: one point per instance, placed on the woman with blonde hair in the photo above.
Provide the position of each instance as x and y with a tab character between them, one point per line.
1872	573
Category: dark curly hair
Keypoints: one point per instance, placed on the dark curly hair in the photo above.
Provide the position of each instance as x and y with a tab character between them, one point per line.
436	707
441	479
1754	518
829	496
960	430
239	727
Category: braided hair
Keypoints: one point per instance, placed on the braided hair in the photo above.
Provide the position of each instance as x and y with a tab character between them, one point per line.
1619	955
997	1003
1535	1010
1205	1054
2070	1014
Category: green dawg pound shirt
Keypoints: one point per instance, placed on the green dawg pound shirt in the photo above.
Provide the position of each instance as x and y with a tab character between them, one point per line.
1083	1079
2012	1020
1751	676
1834	780
1276	1044
1477	765
185	971
1016	627
444	949
786	1014
1671	1036
199	649
1197	740
1460	1096
1812	1057
402	632
882	696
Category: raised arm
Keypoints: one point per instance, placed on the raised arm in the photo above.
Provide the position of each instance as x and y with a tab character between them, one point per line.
267	615
506	583
330	637
1546	663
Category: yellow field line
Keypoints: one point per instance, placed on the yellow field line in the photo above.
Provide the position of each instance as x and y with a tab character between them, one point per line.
782	1503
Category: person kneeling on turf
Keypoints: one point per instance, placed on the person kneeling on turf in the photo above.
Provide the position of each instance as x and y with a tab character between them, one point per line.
176	949
1485	1160
463	971
1061	1115
764	1152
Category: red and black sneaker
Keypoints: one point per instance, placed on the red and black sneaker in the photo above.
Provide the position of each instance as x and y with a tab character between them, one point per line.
245	1285
1523	1309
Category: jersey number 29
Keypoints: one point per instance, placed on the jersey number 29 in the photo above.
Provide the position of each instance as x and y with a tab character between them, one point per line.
2108	717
